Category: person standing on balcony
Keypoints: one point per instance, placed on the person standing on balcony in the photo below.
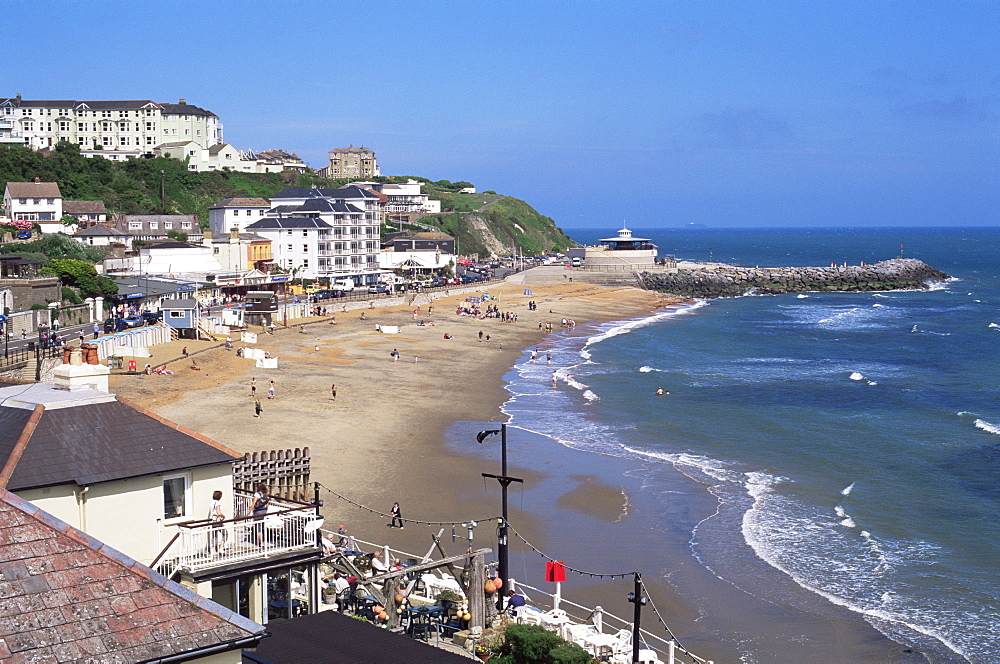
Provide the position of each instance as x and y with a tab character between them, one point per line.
258	510
216	516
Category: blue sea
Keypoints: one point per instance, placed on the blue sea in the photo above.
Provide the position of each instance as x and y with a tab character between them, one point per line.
850	443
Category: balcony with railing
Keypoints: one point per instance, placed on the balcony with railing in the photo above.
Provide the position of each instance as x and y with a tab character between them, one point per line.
289	528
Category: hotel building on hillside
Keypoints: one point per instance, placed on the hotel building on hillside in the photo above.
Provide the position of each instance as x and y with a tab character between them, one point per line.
124	125
352	162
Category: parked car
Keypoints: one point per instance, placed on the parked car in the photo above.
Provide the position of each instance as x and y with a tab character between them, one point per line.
134	321
376	289
114	325
24	235
152	317
327	294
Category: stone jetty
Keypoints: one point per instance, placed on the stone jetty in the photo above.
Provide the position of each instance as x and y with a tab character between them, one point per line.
718	280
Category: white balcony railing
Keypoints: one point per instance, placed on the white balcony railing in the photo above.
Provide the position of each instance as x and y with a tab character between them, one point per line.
204	545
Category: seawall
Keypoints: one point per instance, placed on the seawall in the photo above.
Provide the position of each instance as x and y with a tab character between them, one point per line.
719	280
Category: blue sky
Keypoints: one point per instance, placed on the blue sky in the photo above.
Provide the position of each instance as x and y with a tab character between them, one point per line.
662	113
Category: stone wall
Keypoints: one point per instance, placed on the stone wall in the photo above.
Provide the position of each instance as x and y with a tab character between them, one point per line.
732	281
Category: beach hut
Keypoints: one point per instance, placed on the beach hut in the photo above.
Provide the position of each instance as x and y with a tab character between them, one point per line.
182	315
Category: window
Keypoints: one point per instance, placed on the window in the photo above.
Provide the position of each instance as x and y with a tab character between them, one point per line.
135	225
290	247
305	233
153	225
81	126
185	224
305	248
176	313
36	201
49	201
305	262
289	231
175	487
29	126
150	126
22	201
166	131
63	125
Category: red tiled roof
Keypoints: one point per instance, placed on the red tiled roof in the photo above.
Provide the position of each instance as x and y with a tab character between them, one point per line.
70	598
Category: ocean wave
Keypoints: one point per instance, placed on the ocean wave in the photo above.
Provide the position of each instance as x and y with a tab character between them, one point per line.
802	296
994	326
986	426
590	396
846	491
857	376
637	323
647	369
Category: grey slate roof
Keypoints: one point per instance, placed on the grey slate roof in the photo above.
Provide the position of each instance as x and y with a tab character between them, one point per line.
335	638
102	230
98	441
68	597
350	191
84	207
287	222
239	202
34	190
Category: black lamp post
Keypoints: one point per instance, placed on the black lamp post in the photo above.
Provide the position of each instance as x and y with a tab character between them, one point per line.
637	598
504	483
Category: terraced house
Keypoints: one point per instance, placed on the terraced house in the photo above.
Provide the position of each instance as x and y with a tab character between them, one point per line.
127	126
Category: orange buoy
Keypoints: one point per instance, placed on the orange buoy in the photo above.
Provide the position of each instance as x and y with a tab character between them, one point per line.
498	582
490	587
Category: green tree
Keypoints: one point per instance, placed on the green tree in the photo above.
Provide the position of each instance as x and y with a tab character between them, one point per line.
83	276
180	236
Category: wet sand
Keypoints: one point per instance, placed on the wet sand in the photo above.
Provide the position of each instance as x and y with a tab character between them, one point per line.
383	440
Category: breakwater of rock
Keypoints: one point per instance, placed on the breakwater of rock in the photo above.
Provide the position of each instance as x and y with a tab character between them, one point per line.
732	281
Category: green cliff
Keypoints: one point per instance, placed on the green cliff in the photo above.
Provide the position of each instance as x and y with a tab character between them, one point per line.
485	223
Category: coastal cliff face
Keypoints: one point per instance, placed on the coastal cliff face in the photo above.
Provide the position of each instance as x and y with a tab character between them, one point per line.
731	281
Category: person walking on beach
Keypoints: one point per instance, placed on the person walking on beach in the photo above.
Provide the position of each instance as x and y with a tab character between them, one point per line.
534	355
333	392
253	386
395	355
184	351
480	335
256	408
97	331
270	389
396	516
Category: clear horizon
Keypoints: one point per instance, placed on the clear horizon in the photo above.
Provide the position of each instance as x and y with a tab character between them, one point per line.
657	113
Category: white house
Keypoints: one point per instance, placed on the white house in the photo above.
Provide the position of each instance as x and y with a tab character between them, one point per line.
36	201
168	258
238	213
102	235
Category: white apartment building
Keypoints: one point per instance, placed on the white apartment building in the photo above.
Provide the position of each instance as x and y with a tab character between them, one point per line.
324	233
123	125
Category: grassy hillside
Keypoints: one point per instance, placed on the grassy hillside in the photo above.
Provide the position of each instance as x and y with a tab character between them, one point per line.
135	187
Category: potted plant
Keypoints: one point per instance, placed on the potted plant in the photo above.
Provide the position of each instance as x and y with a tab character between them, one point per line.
447	598
483	651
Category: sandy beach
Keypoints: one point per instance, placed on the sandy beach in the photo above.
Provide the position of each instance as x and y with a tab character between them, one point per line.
383	440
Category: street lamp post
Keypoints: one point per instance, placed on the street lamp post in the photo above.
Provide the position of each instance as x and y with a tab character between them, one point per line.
637	598
505	481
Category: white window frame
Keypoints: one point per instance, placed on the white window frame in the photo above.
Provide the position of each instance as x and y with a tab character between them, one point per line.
187	508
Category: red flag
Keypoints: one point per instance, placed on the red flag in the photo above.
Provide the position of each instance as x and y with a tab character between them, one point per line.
555	571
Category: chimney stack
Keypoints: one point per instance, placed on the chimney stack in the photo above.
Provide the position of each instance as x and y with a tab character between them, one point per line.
37	181
182	101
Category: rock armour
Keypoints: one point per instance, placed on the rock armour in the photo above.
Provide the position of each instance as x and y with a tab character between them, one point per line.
733	281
